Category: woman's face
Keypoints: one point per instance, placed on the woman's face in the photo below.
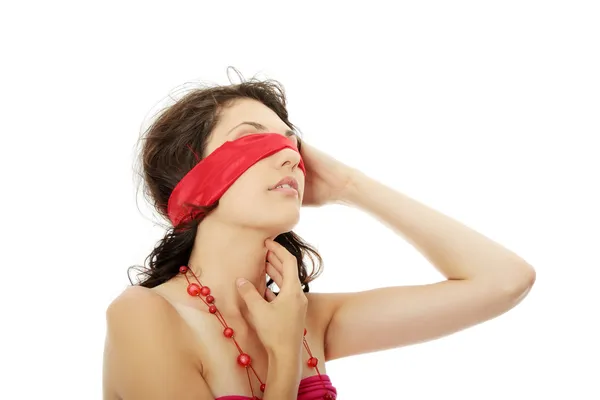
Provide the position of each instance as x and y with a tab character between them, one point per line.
249	202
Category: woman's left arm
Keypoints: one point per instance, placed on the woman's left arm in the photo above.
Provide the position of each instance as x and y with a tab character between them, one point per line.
484	279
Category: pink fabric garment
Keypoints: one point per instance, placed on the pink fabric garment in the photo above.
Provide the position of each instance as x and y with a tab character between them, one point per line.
311	388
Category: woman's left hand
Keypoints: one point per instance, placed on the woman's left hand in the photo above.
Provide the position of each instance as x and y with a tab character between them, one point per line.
327	179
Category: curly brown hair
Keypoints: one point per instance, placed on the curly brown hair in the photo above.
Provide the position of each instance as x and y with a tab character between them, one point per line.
170	146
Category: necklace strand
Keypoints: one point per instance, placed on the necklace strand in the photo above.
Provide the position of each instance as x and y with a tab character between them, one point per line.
203	293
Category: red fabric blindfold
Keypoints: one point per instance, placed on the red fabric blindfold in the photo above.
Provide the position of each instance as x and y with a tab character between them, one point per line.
211	177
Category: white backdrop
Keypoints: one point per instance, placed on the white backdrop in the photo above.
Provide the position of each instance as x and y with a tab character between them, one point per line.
487	111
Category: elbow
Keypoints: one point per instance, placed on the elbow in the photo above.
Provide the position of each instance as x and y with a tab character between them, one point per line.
516	284
512	285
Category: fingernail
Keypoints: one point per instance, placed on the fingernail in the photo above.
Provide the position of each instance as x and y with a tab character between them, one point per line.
240	281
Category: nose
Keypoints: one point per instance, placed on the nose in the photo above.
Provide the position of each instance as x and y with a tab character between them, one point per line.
289	157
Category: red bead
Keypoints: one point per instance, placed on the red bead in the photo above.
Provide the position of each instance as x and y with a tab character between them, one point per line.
228	332
183	269
244	360
212	309
210	299
312	362
205	291
328	396
193	289
304	331
263	387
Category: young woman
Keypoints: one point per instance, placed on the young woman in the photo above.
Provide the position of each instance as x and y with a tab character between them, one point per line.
225	166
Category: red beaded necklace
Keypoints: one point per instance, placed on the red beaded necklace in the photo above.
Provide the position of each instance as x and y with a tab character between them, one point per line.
243	359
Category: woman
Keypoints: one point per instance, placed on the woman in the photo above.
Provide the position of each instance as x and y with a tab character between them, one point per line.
226	167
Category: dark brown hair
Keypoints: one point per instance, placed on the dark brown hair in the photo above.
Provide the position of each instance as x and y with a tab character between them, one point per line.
168	147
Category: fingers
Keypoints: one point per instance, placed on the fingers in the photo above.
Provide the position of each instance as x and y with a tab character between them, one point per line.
269	295
249	294
289	266
275	274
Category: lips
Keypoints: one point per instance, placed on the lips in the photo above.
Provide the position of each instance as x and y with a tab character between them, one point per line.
289	180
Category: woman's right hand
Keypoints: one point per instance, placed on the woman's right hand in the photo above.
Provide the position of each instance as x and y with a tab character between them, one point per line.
279	320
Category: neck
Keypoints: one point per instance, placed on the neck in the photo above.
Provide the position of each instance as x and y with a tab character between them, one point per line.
221	254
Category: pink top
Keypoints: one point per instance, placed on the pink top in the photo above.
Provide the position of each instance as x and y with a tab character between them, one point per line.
311	388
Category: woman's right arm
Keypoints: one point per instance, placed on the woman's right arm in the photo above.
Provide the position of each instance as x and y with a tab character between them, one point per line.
282	376
145	355
279	321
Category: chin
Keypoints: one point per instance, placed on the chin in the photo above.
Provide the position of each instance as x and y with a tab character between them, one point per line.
286	221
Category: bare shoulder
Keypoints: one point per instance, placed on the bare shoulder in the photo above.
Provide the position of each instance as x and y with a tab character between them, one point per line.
147	354
138	302
138	309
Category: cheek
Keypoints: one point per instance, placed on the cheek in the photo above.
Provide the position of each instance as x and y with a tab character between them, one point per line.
246	192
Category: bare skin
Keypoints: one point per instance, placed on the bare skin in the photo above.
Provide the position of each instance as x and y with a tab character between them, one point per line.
206	359
187	351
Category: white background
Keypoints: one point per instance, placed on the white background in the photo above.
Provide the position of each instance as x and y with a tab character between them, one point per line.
486	111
